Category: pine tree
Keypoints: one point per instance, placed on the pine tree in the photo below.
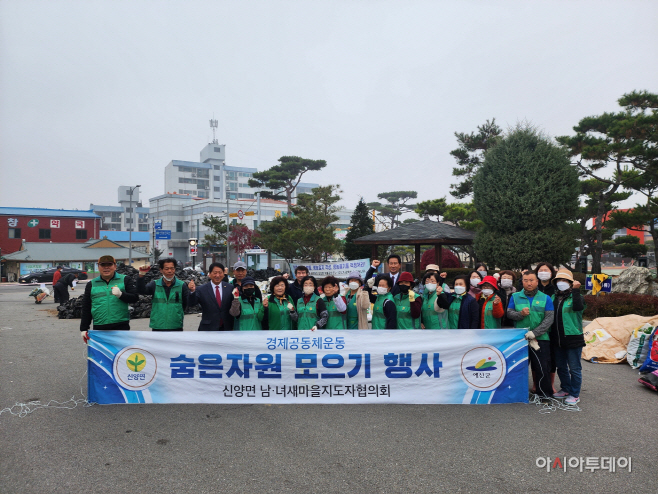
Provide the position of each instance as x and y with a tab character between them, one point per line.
361	224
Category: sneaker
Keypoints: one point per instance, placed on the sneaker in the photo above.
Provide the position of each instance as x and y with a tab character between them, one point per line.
561	394
572	400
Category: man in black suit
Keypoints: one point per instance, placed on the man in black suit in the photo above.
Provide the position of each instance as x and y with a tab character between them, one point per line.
215	298
394	264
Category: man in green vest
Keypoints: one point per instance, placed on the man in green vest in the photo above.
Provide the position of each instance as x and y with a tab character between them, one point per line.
533	310
106	300
169	296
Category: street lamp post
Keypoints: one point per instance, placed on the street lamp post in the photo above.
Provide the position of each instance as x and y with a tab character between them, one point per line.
130	230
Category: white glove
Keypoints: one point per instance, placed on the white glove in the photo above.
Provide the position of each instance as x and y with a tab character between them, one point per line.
116	292
371	282
437	308
314	328
290	306
530	335
534	345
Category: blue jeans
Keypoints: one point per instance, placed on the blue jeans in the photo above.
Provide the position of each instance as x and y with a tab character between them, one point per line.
569	369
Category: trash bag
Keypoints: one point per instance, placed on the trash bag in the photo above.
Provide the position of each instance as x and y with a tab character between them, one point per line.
650	380
638	345
651	362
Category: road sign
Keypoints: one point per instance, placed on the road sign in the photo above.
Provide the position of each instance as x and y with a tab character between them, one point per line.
603	283
157	224
163	235
249	213
233	215
240	214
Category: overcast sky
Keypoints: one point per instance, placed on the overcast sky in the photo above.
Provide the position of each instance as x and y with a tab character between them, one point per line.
97	94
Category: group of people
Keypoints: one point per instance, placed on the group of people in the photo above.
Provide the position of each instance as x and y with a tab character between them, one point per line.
546	301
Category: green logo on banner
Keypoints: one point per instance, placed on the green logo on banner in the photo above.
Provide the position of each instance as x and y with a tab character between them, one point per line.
33	222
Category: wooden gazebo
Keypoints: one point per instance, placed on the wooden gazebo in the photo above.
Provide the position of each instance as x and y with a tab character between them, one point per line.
424	232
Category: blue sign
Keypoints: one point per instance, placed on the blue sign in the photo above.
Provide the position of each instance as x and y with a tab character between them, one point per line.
606	285
157	224
163	235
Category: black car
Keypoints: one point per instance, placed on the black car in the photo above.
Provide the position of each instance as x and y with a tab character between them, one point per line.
46	275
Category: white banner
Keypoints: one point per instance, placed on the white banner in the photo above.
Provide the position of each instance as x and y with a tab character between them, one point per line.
340	269
444	366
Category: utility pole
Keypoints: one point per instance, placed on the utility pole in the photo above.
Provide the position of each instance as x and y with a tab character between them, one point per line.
130	230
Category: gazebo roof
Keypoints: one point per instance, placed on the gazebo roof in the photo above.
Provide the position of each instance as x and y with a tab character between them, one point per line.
425	232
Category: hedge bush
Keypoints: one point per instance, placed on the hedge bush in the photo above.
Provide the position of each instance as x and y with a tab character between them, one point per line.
620	304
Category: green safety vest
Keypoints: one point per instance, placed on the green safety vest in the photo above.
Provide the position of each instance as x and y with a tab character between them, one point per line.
250	317
278	314
352	313
572	320
453	311
308	316
537	311
167	313
491	322
378	317
403	305
335	320
431	318
105	307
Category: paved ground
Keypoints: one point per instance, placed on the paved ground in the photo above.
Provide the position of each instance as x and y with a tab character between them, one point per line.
297	448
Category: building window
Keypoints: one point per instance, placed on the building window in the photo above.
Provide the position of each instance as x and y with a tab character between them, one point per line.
215	167
232	186
129	220
232	175
234	222
232	196
129	210
44	232
143	228
179	226
218	150
14	233
81	234
245	196
218	189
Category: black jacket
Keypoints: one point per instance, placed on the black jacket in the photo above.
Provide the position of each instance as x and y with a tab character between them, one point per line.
394	291
144	289
469	313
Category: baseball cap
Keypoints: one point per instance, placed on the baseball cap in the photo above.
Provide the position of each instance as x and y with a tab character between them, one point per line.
102	259
239	265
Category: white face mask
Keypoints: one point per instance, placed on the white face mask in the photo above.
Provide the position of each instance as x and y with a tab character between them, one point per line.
354	285
168	279
460	289
382	290
544	276
487	292
482	273
563	285
506	283
308	290
431	287
475	281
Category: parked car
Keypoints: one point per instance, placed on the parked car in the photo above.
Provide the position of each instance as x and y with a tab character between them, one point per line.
46	275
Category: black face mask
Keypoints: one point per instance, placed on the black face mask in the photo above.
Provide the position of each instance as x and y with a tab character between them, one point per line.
249	292
404	288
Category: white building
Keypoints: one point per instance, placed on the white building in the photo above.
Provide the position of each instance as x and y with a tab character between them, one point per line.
122	217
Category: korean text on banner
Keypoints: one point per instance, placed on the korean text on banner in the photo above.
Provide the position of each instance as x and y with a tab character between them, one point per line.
340	270
447	366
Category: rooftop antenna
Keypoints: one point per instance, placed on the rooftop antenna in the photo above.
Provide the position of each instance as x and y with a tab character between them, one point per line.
213	126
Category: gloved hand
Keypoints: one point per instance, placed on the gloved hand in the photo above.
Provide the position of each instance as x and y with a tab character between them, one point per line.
236	293
412	296
85	336
116	292
266	302
530	335
290	306
314	328
534	345
323	296
371	282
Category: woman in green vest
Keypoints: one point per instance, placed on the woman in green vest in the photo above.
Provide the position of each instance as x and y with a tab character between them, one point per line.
432	316
335	304
407	304
249	311
311	309
384	311
357	301
567	335
281	313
